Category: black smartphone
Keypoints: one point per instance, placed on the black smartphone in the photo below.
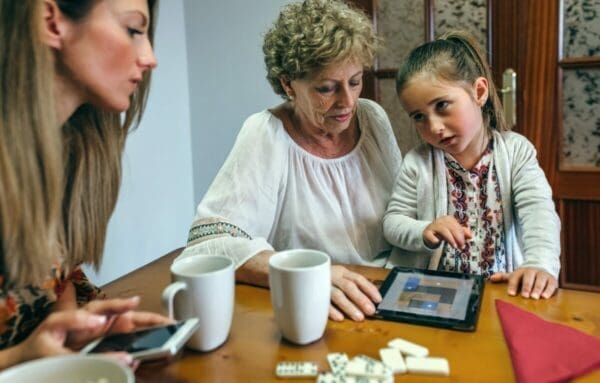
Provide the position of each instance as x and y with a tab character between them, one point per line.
149	343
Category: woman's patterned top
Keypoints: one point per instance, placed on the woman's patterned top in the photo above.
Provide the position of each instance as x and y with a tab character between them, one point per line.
23	308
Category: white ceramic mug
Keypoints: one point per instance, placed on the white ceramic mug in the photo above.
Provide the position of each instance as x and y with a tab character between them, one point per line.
203	287
300	282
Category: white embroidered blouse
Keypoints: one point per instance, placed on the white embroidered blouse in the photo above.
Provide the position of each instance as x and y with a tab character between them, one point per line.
271	194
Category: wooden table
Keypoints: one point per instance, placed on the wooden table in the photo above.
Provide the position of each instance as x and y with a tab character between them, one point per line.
255	346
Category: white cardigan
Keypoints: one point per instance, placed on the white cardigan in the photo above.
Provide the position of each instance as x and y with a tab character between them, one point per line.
531	225
273	195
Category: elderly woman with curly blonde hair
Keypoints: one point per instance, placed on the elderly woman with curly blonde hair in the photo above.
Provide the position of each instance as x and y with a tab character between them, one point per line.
315	171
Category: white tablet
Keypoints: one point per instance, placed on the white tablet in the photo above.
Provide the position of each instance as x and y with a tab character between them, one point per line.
149	343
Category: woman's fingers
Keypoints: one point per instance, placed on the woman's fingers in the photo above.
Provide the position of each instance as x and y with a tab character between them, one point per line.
341	301
137	319
112	306
73	320
352	294
121	357
365	286
335	314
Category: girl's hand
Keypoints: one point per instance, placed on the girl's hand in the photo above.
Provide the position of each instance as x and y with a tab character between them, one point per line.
534	282
447	229
352	295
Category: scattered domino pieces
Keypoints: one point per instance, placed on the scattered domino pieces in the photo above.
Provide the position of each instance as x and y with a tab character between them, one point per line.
296	369
408	348
364	366
337	362
364	369
328	377
392	358
429	366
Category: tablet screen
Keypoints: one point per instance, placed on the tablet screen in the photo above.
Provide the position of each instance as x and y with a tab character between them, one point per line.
433	298
429	295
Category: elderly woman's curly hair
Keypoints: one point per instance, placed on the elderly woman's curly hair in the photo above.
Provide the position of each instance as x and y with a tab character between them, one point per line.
312	34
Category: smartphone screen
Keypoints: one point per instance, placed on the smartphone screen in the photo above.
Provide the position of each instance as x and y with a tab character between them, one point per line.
137	341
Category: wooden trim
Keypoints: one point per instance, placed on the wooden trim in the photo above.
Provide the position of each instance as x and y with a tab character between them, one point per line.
489	44
386	73
559	120
578	286
429	19
575	168
580	62
577	186
563	251
370	89
561	12
580	244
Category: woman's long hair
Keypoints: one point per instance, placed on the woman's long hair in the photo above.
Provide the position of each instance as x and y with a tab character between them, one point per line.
58	185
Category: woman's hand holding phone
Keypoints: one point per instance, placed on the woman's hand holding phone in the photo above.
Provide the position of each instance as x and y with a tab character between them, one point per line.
120	317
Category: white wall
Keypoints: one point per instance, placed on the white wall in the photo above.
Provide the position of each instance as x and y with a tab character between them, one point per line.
210	78
227	76
156	202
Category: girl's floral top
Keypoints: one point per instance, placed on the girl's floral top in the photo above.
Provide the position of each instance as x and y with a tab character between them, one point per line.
474	200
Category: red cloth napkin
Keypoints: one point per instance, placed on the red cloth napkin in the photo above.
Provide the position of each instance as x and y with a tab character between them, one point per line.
542	351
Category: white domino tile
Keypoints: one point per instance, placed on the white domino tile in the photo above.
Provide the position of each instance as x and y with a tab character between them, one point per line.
427	366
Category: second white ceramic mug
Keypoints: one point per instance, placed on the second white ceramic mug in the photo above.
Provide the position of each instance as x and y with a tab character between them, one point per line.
203	287
300	282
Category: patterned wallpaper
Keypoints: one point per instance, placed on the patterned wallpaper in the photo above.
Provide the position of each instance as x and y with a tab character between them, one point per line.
406	134
401	25
581	28
581	87
461	14
581	118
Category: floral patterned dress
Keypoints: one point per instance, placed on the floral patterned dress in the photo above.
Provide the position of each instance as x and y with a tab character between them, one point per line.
474	200
23	308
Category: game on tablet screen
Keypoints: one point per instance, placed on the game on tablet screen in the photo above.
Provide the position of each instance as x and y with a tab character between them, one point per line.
428	295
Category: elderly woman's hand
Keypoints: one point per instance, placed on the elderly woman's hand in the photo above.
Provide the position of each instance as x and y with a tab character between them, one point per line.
351	295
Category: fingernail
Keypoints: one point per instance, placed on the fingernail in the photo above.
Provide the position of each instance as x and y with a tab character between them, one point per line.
369	308
512	292
97	320
358	316
135	298
127	359
535	296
